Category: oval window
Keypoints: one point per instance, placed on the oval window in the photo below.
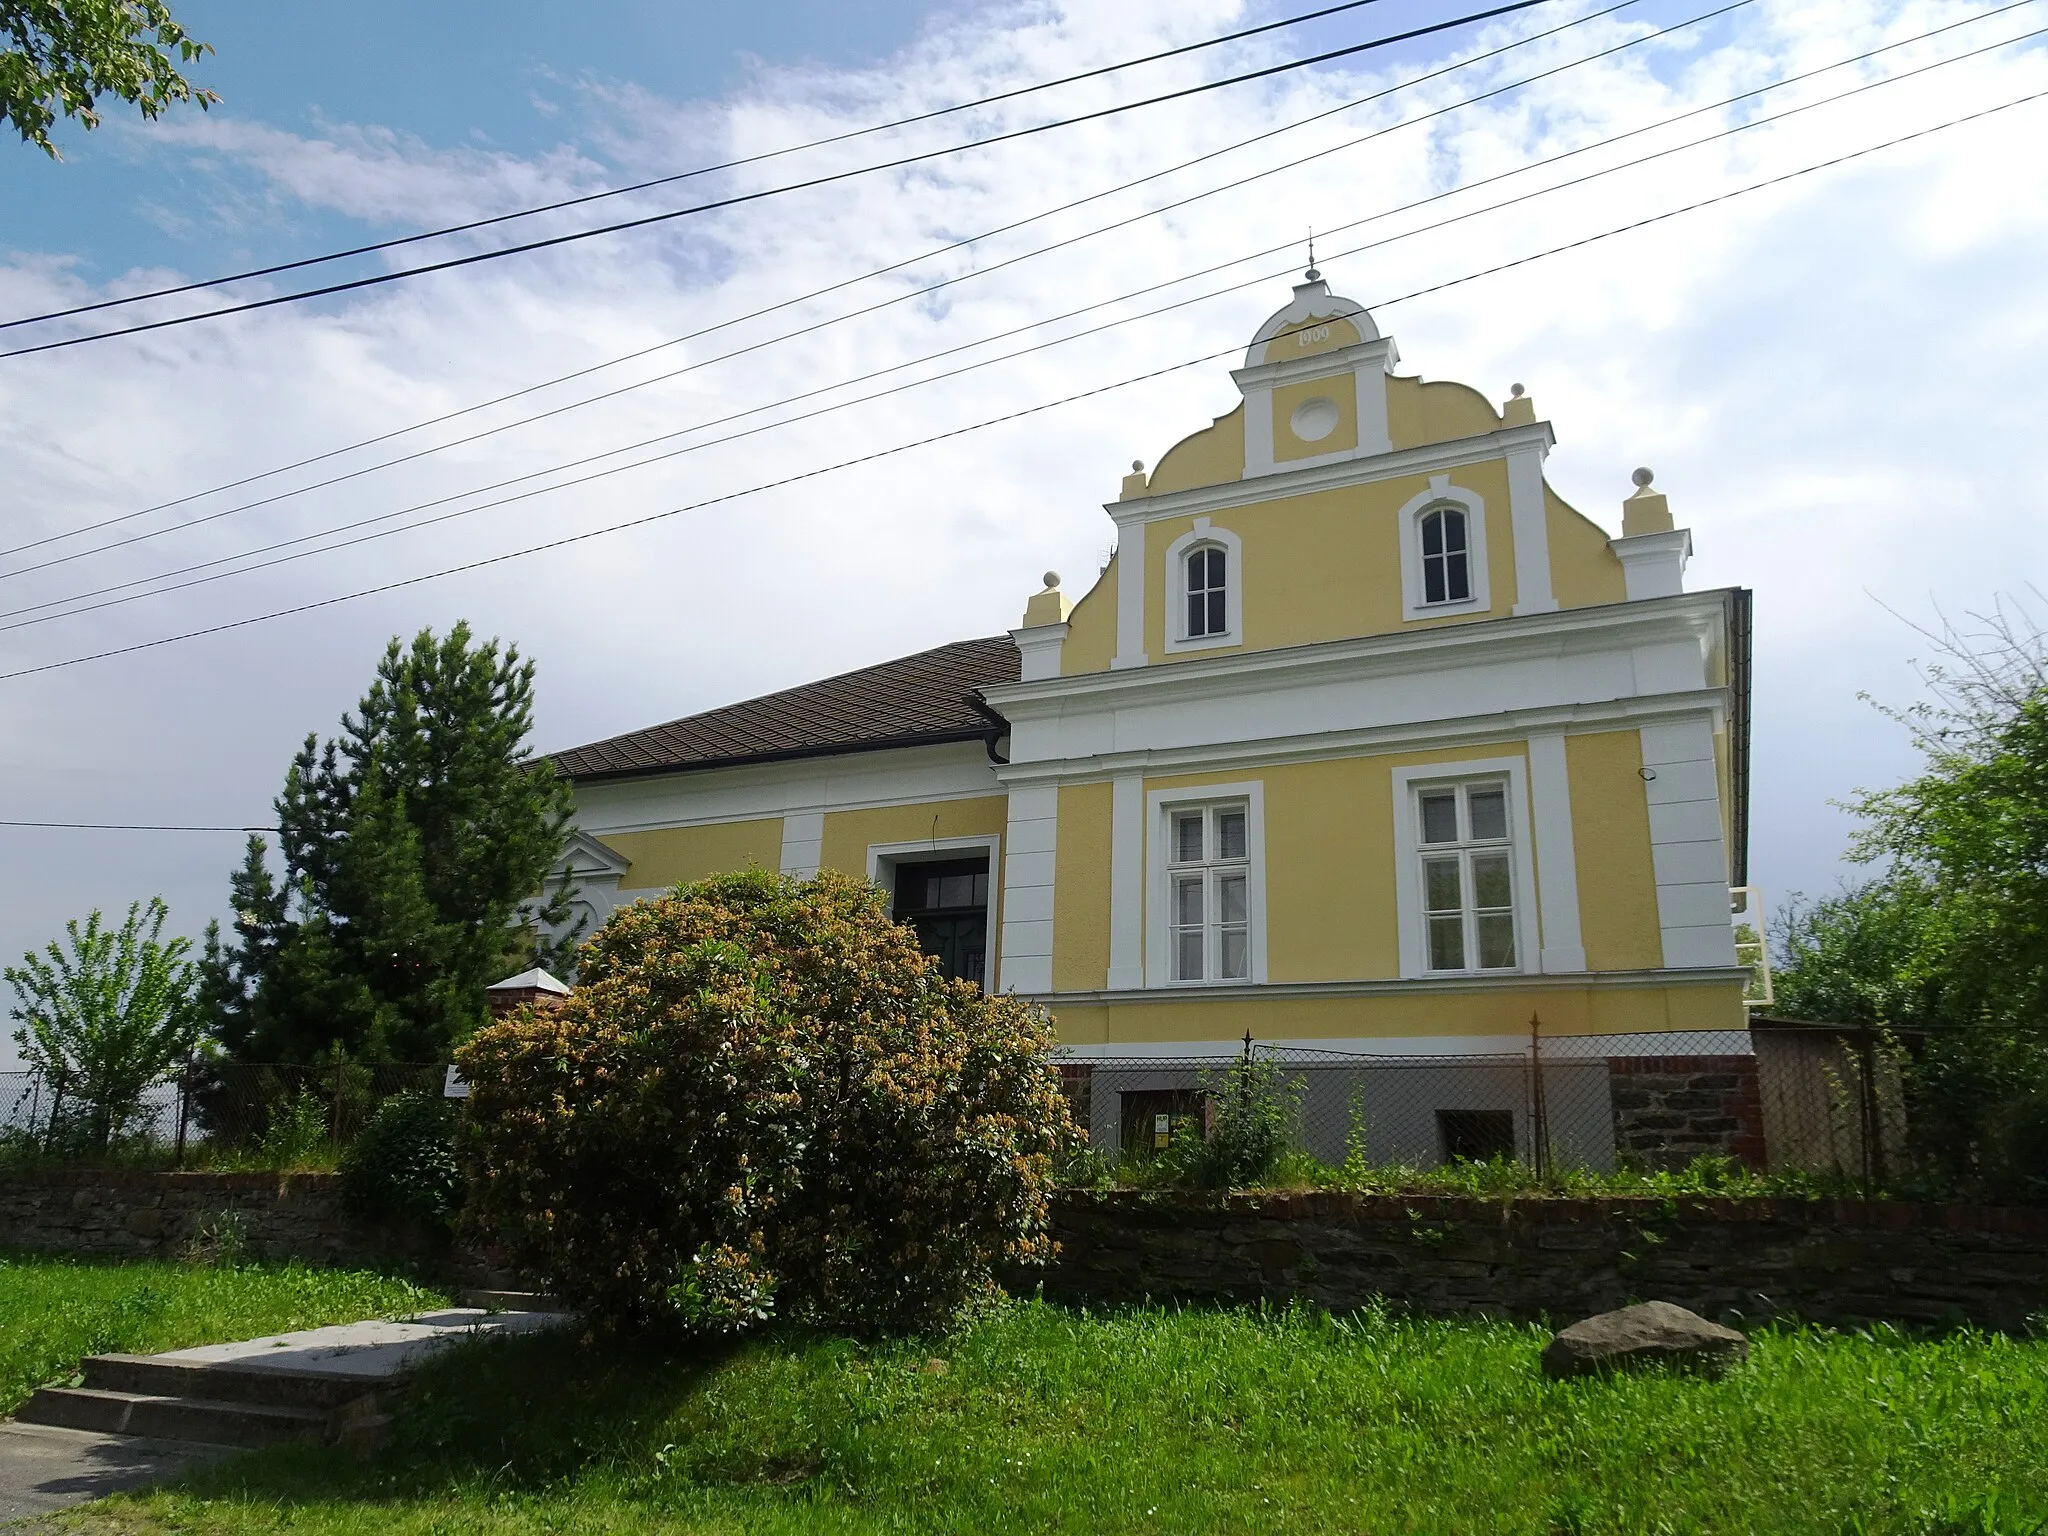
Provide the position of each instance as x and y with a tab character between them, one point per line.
1314	420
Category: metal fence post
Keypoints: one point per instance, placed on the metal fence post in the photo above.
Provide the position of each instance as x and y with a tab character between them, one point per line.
184	1105
1867	1112
1539	1108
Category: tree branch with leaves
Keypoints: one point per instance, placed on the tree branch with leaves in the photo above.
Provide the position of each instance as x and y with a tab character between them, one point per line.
59	57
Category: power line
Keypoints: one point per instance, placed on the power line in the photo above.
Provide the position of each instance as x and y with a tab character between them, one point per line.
884	453
127	826
871	308
702	170
985	340
738	199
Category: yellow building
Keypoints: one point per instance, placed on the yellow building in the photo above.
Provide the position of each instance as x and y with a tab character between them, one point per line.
1363	740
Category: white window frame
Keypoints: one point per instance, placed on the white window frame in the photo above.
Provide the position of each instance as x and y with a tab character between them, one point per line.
884	859
1442	493
1160	806
1408	850
1176	633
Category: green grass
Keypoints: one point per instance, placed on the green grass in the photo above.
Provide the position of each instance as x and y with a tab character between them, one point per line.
54	1312
1042	1419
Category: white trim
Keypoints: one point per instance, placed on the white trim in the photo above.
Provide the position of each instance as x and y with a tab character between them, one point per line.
1653	564
1439	494
1489	981
1369	1048
1039	647
1258	429
887	858
1695	919
1158	803
803	843
1529	516
1028	872
1130	594
1557	862
1126	882
1174	630
1407	848
1312	300
1336	474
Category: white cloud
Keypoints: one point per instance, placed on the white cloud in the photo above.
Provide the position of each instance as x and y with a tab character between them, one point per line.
1833	380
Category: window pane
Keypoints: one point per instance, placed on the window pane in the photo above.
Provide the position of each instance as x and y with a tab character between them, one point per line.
1440	816
1187	902
1230	834
955	891
1216	621
1489	808
1447	943
981	890
1490	887
1454	530
1197	610
1187	837
1187	955
1230	906
1457	584
1215	567
1236	955
1433	581
1198	571
1433	534
1496	942
1440	885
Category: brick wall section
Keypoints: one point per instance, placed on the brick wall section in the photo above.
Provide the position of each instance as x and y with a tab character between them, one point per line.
117	1215
1670	1109
1833	1262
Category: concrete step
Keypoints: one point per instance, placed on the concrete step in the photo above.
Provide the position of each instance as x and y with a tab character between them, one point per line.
169	1376
205	1421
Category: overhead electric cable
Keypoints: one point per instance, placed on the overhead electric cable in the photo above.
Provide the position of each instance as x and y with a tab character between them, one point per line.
702	170
83	597
879	305
885	453
741	198
128	826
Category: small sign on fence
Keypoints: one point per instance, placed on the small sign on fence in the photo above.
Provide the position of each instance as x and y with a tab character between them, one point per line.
454	1086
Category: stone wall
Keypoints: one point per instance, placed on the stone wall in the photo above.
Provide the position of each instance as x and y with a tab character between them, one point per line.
1669	1110
120	1215
1834	1262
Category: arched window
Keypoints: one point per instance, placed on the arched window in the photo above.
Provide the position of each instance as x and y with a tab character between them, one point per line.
1208	592
1446	556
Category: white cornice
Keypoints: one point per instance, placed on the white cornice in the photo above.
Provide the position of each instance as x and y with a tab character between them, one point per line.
1315	365
1430	458
1407	735
1607	626
1569	981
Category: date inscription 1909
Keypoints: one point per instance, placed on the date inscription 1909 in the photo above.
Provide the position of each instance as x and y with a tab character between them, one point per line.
1310	337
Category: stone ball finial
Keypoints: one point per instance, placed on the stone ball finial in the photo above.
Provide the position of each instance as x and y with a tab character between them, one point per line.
1642	478
1515	391
1052	581
1137	466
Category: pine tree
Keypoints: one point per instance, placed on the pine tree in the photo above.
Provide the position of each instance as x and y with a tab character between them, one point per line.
410	845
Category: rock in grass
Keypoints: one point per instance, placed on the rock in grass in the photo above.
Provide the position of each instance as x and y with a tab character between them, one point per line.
1655	1332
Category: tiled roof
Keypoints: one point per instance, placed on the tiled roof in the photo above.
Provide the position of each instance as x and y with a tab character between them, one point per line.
912	701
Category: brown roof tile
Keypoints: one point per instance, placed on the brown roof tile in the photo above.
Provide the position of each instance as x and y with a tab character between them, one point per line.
911	701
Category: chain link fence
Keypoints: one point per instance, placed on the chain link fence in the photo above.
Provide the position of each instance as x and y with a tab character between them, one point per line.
1795	1099
208	1114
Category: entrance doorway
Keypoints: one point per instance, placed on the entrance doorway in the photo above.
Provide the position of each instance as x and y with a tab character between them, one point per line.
946	901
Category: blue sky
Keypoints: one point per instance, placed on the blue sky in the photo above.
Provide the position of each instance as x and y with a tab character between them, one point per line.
1837	381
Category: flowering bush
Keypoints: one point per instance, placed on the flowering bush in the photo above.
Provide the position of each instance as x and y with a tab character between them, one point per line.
762	1099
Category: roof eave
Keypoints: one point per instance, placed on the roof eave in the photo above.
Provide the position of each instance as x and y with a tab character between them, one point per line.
782	755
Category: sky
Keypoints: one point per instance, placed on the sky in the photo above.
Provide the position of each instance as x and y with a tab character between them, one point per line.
1837	378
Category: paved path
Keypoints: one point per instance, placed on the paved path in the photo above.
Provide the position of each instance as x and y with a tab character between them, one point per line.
43	1468
375	1350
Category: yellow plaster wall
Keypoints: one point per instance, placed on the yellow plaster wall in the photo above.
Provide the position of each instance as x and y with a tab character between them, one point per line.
1080	919
1435	412
1091	628
1611	830
1327	565
671	855
1502	1011
849	834
1340	391
1208	457
1583	570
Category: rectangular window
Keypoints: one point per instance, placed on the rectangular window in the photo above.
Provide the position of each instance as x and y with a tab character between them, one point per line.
1468	887
1208	900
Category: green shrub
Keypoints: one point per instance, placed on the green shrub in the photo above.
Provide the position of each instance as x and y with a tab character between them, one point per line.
1251	1110
401	1170
762	1098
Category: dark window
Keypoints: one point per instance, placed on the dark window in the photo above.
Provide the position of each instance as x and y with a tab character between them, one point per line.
946	901
1207	613
1154	1117
1446	561
1476	1135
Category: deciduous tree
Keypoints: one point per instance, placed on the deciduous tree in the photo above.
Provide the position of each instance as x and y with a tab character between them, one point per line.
59	57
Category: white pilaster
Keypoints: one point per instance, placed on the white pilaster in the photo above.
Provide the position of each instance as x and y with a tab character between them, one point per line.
1686	850
1028	889
803	840
1369	373
1130	591
1127	883
1258	430
1653	564
1557	861
1040	646
1531	522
